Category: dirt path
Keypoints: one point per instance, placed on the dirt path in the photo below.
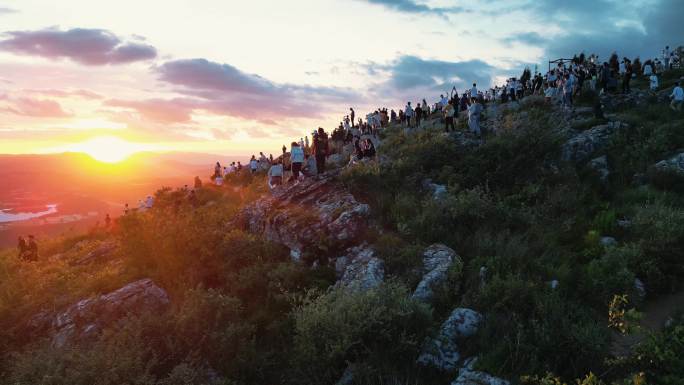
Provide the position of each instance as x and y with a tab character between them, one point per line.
655	315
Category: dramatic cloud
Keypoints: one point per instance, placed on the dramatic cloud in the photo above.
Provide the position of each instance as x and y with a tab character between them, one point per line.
602	26
225	90
34	108
85	46
410	6
413	72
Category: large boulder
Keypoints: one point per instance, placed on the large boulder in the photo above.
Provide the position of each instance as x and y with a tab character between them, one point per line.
674	164
88	317
581	146
437	259
468	376
360	269
101	252
442	352
302	215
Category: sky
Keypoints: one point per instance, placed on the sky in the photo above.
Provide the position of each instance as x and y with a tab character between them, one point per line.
238	77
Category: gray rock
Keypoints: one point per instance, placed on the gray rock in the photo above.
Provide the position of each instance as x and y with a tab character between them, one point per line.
674	163
300	216
581	146
640	288
87	318
364	271
600	165
437	259
442	352
468	376
608	241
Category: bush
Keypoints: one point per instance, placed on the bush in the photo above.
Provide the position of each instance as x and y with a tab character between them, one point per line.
382	327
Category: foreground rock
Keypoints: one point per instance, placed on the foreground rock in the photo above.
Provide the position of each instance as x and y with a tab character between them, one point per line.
300	216
437	259
87	318
673	164
468	376
442	352
581	146
360	269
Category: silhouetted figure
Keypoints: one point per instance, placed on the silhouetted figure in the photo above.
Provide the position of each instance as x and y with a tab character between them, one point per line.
198	182
32	249
22	247
108	221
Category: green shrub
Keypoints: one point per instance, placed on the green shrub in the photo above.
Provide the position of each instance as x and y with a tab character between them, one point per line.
382	327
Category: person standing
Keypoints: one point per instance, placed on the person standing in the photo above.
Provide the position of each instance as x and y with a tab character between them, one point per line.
419	114
666	57
320	150
449	111
32	249
22	247
352	114
296	158
473	91
474	111
627	77
408	112
253	165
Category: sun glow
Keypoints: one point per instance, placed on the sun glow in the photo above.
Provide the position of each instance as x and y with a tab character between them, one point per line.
109	149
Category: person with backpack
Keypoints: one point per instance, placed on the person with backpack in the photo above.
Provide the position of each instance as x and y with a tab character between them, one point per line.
296	158
320	150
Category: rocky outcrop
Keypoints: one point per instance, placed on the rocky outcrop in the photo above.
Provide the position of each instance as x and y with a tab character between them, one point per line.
468	376
360	269
600	165
581	146
673	164
103	251
442	352
301	216
88	317
437	259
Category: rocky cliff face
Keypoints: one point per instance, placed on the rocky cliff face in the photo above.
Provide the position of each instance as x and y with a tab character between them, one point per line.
87	318
304	217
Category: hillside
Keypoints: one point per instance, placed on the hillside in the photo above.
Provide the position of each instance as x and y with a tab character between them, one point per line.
528	257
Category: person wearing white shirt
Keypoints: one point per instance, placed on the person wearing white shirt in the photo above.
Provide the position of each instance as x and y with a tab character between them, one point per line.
149	202
654	82
473	91
408	111
443	101
275	175
666	57
296	158
677	97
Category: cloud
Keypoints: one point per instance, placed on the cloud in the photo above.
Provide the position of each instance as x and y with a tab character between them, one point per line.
601	27
158	110
84	94
413	72
84	46
7	11
410	6
529	38
223	89
37	108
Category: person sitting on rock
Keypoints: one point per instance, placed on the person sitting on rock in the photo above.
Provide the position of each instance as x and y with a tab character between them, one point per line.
296	158
275	175
368	149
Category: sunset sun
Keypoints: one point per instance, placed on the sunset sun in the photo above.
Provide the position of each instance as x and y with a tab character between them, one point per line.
109	149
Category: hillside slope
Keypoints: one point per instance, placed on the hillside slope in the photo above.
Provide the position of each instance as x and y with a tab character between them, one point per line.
448	259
